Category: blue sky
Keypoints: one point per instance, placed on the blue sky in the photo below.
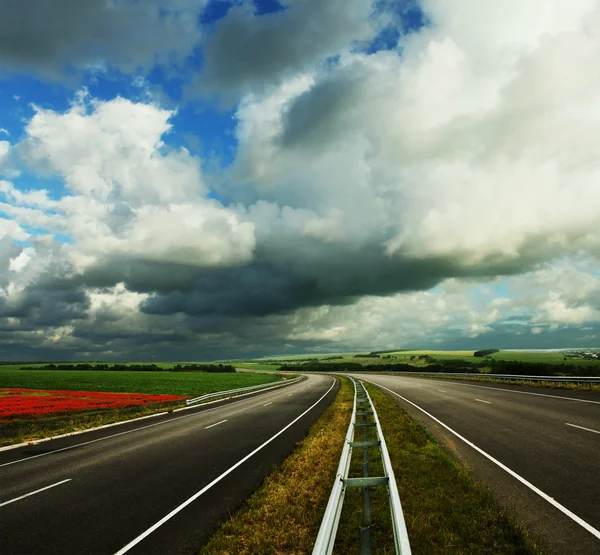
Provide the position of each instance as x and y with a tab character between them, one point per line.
211	179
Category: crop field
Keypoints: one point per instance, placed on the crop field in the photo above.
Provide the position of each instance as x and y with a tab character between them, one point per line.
157	383
412	357
19	403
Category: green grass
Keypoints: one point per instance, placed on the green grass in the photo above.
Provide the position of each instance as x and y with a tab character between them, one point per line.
180	383
175	383
446	510
548	357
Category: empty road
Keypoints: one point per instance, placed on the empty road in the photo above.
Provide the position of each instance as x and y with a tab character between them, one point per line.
537	449
159	485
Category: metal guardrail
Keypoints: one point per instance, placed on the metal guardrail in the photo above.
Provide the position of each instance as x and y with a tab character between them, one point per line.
512	377
270	385
329	525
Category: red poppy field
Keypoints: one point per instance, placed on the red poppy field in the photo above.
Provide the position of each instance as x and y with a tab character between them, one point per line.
19	403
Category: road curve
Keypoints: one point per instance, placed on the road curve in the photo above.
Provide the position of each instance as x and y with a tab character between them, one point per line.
159	485
541	437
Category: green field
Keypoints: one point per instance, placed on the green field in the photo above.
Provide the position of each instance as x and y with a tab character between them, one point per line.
174	383
412	357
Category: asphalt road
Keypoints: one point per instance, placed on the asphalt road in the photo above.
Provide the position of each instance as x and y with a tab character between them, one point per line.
545	437
160	485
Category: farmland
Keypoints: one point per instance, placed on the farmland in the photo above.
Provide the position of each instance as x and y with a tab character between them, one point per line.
18	403
423	357
47	418
157	383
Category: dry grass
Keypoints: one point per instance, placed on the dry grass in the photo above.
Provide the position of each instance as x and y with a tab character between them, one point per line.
284	514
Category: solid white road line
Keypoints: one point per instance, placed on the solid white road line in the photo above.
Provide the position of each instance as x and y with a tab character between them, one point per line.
112	424
145	534
441	391
482	401
582	428
528	393
111	436
533	488
34	492
213	425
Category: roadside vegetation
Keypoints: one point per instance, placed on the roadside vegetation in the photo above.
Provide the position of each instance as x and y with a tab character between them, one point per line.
284	514
446	510
173	383
181	384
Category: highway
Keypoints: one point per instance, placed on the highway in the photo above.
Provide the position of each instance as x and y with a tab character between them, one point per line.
158	485
538	450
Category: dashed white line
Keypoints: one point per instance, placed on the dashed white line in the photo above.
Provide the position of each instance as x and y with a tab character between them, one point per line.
290	394
526	483
482	401
216	424
267	404
442	390
176	510
34	492
582	428
528	393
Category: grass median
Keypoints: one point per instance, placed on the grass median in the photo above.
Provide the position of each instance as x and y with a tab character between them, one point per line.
446	510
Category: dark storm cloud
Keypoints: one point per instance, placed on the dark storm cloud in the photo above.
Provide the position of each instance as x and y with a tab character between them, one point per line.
247	51
51	303
280	281
51	36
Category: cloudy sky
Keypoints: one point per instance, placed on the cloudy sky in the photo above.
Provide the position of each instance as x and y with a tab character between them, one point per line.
200	179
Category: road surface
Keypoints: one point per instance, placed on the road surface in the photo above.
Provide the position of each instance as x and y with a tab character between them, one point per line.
160	485
537	449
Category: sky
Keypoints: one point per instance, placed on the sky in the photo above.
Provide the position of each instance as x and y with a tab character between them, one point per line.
200	179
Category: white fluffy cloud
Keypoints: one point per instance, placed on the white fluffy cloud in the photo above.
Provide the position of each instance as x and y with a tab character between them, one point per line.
443	191
129	194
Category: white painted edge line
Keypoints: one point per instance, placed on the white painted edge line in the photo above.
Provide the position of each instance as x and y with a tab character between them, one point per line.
533	488
528	393
34	492
216	424
482	401
149	531
113	435
442	390
267	404
36	441
582	428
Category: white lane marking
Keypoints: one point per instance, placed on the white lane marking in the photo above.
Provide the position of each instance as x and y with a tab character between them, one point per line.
145	534
34	492
78	432
533	488
213	425
114	435
582	428
482	401
441	390
290	394
266	405
528	393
